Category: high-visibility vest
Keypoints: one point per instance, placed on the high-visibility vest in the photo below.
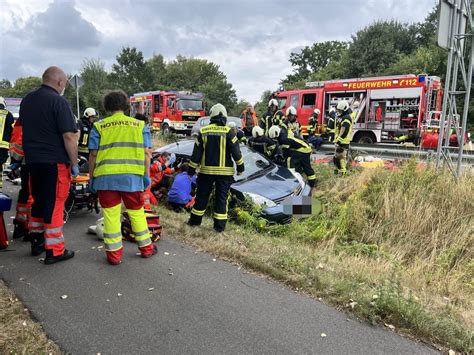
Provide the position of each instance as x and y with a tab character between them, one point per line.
121	149
347	139
3	120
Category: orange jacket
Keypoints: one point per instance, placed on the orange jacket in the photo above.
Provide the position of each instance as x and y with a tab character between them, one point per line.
158	169
16	142
243	118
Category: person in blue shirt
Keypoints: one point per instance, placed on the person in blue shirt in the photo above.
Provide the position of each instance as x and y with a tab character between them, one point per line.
179	195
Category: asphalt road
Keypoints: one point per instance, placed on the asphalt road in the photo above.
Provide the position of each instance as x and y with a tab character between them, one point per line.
175	303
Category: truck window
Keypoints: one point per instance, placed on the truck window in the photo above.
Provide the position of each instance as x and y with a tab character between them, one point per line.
309	101
294	100
171	102
281	102
156	103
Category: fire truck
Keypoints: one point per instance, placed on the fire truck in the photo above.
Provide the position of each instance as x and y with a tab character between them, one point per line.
169	111
390	109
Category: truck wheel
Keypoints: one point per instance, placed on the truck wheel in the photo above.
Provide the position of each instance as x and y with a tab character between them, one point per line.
365	138
165	129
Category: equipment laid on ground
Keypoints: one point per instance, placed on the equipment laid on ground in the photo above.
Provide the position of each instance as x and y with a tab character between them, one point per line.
5	205
154	226
80	196
169	111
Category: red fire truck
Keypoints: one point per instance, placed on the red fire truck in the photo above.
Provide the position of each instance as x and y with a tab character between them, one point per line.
170	111
390	107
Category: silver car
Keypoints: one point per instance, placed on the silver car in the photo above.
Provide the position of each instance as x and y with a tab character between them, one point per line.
204	121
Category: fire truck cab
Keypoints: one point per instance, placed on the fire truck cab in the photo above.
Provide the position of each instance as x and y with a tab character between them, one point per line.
390	108
169	111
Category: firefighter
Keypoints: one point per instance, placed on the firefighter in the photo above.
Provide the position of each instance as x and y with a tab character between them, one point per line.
343	136
24	202
50	147
331	124
273	117
120	153
355	109
6	128
242	138
296	151
262	143
315	137
249	120
85	126
215	151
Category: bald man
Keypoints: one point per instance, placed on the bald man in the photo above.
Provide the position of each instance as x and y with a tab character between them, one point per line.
50	147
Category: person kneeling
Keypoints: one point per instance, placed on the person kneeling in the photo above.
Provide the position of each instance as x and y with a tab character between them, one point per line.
179	195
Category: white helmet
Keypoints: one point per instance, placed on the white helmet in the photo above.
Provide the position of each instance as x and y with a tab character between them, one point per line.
316	111
332	109
88	112
342	105
291	111
274	131
356	104
273	102
257	131
3	102
218	109
98	229
411	115
231	124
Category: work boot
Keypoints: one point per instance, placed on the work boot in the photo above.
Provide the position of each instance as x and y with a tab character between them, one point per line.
114	257
51	259
20	231
148	252
37	243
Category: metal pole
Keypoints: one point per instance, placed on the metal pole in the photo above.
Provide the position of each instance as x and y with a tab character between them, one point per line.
77	95
466	105
447	85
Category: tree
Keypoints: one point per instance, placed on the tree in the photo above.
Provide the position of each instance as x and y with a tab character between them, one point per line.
199	75
378	46
5	84
426	31
130	73
262	105
239	108
157	67
22	86
95	83
314	59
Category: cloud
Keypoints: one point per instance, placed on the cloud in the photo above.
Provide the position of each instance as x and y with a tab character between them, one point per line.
249	40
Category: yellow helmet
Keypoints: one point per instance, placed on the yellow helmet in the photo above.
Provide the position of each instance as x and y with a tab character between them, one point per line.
257	132
218	109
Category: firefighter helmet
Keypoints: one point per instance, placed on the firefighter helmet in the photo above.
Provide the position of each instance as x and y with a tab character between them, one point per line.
356	104
273	102
2	102
332	109
291	111
231	124
317	111
218	110
257	132
342	105
274	132
88	112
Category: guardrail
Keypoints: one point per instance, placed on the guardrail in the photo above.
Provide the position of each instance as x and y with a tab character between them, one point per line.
401	151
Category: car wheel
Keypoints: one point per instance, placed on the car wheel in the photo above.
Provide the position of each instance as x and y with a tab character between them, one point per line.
365	138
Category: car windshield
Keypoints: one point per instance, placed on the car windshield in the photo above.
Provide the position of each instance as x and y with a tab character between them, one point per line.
254	163
185	104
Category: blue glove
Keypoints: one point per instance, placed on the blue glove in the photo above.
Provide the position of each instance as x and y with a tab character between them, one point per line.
146	181
172	158
14	166
75	170
91	186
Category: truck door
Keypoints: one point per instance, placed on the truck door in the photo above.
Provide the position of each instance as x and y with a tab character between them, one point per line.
306	109
171	102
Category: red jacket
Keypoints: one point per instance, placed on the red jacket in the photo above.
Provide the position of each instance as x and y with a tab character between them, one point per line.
16	143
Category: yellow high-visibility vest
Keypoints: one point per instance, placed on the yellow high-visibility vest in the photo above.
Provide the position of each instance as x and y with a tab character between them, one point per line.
3	120
121	149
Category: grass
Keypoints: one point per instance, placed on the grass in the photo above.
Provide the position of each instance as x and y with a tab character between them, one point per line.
395	247
19	334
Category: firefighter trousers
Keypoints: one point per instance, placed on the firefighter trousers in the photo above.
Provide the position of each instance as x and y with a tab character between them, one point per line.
50	189
205	184
111	202
340	159
301	162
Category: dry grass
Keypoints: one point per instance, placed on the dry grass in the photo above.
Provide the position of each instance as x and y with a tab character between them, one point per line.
394	247
19	334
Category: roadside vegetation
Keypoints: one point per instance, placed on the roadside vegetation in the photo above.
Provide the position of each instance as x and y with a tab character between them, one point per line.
394	247
19	334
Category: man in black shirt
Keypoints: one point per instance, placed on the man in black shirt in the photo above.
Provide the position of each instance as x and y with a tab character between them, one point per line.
6	128
50	146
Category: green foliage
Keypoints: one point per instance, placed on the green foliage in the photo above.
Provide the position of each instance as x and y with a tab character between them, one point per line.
262	105
130	73
238	108
22	86
95	83
157	67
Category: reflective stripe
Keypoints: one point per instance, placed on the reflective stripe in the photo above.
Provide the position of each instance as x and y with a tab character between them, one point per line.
220	216
193	164
21	217
36	224
121	144
22	209
4	145
120	161
234	140
54	230
240	161
143	242
53	241
113	246
311	177
138	234
213	170
197	212
112	235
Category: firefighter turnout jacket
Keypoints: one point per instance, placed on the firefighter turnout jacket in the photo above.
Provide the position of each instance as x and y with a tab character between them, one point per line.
215	150
272	119
84	131
344	130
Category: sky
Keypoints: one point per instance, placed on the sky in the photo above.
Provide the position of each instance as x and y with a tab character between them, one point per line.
250	40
